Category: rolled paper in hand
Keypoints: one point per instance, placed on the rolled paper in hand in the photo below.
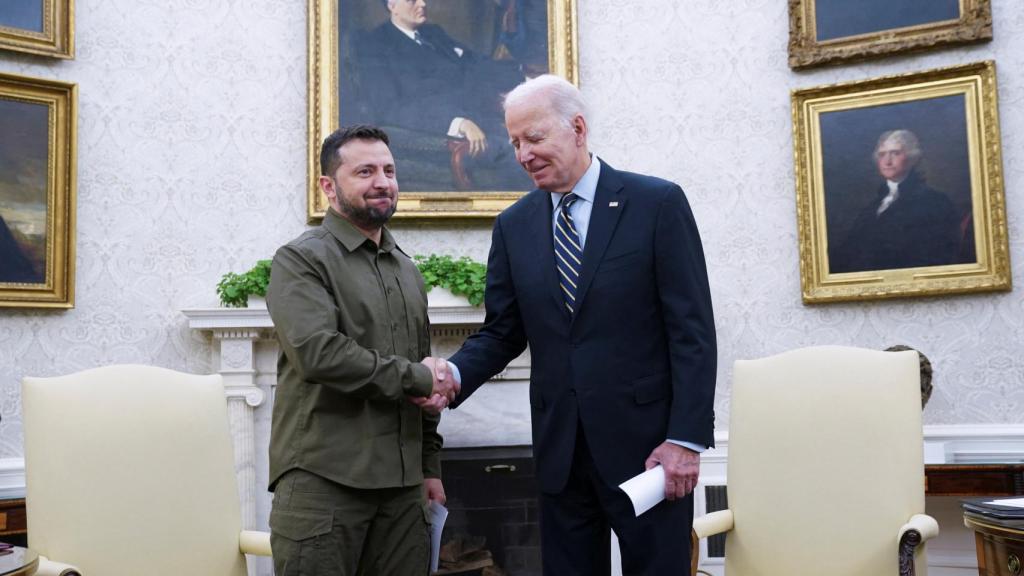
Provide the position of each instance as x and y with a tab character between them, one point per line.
645	490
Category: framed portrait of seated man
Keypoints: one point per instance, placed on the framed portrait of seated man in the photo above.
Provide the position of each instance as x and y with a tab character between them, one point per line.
832	31
44	27
899	186
432	74
37	192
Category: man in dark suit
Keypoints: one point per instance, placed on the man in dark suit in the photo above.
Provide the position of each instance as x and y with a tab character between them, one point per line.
415	76
908	224
602	274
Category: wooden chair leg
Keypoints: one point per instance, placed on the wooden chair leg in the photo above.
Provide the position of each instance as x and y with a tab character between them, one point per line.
694	552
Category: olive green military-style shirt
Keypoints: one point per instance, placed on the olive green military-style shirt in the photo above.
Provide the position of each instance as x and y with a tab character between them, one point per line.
351	319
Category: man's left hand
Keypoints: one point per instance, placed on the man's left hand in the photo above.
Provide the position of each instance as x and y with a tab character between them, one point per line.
434	490
433	404
682	467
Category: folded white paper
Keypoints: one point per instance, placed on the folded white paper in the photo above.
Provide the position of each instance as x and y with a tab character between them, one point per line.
1012	502
438	514
645	490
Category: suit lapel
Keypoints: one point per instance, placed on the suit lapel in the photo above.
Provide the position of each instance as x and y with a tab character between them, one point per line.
609	203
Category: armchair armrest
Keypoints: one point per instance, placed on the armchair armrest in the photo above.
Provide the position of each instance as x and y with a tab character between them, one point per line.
714	523
925	525
707	525
254	542
921	527
48	567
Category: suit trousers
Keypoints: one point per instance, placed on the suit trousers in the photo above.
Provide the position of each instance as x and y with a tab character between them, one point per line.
575	523
321	528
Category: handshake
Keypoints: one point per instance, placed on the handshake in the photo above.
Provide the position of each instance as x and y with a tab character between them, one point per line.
445	387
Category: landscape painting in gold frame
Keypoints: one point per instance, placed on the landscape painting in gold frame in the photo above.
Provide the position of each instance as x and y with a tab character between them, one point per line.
899	186
832	31
37	192
44	27
432	76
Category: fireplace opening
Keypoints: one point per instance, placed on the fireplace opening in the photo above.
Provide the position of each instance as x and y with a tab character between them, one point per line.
493	527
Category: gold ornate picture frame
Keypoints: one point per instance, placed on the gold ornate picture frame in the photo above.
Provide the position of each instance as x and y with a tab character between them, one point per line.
831	31
363	70
899	186
44	27
37	192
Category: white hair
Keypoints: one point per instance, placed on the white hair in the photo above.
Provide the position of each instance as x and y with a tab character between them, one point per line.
906	139
560	95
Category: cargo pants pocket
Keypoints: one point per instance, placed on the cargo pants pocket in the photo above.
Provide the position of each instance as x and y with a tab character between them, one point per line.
300	542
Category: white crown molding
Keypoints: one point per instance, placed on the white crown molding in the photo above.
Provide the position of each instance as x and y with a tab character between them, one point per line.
227	318
12	478
962	443
975	444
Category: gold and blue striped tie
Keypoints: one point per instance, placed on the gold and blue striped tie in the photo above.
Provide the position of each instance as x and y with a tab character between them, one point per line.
568	252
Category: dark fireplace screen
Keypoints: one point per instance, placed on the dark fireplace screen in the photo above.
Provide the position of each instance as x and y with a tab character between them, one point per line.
493	527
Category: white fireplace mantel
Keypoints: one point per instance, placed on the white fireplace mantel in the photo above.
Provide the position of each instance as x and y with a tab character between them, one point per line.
445	310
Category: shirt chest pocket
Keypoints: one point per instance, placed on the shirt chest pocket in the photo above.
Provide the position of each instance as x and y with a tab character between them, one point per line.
411	303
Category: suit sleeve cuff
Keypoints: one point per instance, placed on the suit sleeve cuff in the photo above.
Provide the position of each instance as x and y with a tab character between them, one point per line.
695	447
455	128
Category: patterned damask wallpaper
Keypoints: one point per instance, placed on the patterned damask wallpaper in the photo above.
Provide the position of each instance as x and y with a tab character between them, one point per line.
192	143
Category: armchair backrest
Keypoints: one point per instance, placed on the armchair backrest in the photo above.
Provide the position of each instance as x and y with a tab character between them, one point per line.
825	461
130	470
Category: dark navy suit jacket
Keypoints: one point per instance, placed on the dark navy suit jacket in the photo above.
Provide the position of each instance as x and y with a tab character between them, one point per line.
636	364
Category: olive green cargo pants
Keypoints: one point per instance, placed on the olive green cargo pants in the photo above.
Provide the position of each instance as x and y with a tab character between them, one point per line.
320	528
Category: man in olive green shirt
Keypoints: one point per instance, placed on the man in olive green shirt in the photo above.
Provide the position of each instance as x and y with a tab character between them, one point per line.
353	442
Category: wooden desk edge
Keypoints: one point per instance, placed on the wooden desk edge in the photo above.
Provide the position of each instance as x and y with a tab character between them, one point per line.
973	521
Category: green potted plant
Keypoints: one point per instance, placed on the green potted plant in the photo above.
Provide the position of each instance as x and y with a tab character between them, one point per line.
234	289
459	276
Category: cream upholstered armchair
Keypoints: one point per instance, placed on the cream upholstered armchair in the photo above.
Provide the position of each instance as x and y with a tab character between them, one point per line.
825	466
130	471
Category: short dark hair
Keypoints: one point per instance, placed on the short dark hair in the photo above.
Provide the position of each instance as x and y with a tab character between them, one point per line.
329	157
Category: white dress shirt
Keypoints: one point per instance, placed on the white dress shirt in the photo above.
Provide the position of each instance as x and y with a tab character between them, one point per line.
892	196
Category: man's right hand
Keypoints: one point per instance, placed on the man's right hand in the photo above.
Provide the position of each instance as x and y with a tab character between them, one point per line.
476	137
444	390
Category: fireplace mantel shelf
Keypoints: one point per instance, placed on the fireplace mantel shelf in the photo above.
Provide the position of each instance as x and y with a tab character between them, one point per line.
259	318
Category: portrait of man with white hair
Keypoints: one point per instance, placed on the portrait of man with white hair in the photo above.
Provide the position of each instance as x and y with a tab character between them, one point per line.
907	223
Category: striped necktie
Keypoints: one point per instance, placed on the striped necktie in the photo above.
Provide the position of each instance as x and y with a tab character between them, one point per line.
568	252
